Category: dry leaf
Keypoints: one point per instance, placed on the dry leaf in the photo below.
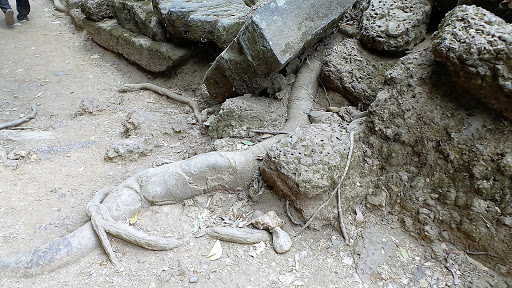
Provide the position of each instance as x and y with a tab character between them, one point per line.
216	251
134	218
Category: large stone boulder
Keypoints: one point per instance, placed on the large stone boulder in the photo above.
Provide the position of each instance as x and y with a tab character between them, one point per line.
444	160
476	46
151	55
395	25
353	71
139	17
97	10
275	34
216	21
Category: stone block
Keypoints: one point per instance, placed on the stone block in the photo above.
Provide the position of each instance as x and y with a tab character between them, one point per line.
97	10
481	64
151	55
275	34
353	71
216	21
395	25
139	18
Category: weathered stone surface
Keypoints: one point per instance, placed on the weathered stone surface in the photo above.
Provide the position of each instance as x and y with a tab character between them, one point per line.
305	166
238	116
216	21
138	17
77	17
129	150
275	34
353	71
281	240
395	25
501	8
150	55
442	158
268	221
97	10
482	64
350	23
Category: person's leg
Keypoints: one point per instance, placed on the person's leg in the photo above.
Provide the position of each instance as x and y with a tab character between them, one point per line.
9	14
4	5
23	7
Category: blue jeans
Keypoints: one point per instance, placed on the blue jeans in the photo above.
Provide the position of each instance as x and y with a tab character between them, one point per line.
22	6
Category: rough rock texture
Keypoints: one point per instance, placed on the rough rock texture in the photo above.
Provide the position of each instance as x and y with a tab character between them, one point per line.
395	25
306	166
138	17
350	23
75	12
501	8
481	64
97	10
238	116
353	71
215	21
129	150
275	34
151	55
444	163
267	221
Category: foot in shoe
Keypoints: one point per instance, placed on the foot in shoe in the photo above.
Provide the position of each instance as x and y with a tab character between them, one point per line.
9	17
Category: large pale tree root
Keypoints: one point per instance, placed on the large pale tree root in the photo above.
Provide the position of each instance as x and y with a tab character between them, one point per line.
167	184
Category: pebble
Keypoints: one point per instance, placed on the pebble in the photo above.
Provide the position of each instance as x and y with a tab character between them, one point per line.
281	240
193	279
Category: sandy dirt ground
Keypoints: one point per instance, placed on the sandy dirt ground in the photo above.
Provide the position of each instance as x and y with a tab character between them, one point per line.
53	165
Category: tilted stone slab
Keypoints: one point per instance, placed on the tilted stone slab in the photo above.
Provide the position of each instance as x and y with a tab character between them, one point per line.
395	25
481	64
216	21
275	34
139	17
151	55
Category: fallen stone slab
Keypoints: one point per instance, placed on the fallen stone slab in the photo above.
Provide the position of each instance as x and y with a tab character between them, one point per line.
395	25
353	71
139	17
275	34
481	64
216	21
151	55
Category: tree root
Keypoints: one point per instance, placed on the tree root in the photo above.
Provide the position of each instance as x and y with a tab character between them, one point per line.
22	120
166	92
166	184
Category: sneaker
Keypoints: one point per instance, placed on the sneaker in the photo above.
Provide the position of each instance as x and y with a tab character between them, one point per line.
9	17
22	19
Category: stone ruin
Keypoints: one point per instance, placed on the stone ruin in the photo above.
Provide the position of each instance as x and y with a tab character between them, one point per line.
436	150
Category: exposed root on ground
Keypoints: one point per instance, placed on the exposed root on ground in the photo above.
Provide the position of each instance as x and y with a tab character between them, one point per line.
32	115
166	92
166	184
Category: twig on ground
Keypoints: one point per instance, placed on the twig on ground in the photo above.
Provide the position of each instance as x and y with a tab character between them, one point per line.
22	120
269	132
353	129
476	252
166	92
294	221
